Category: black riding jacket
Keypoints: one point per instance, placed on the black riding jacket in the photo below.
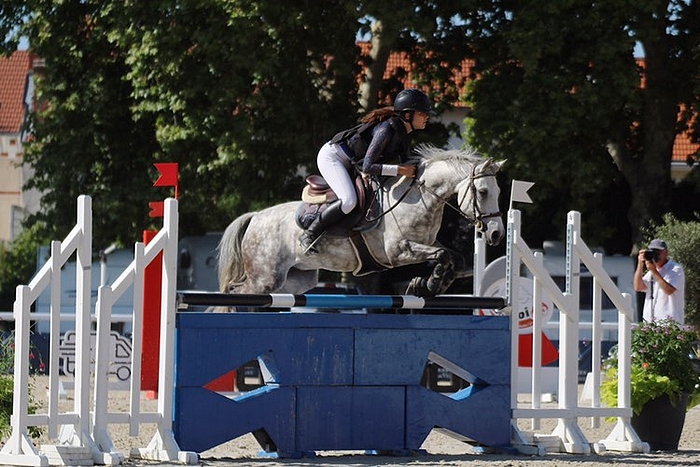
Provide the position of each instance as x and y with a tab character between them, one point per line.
387	141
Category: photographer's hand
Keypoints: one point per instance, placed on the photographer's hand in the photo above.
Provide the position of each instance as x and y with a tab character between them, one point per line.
639	285
663	284
648	259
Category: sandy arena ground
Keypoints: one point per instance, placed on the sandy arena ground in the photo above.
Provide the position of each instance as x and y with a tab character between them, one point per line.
440	449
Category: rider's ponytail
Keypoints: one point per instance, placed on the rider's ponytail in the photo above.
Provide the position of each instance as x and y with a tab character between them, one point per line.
378	115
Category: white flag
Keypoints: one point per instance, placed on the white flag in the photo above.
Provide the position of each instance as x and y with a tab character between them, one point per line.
518	192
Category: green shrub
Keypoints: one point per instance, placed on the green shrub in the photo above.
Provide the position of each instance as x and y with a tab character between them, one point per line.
7	390
661	363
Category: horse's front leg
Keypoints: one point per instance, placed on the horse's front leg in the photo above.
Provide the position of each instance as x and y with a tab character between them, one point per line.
439	280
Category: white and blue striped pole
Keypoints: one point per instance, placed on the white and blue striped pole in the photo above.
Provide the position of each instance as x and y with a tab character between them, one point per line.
186	299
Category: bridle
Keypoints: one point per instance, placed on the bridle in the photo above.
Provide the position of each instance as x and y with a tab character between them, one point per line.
477	219
477	216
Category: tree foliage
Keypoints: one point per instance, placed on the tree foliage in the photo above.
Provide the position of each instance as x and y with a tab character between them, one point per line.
559	93
242	94
84	138
18	261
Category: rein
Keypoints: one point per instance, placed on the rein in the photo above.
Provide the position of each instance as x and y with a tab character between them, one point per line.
478	216
401	198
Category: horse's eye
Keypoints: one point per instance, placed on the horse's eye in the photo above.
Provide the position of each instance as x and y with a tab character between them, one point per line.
483	192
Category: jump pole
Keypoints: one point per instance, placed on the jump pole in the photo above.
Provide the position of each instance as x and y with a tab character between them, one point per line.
461	303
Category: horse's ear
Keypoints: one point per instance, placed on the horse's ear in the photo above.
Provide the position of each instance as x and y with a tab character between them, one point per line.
498	164
492	163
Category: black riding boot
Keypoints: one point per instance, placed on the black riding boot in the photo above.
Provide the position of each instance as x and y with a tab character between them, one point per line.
330	216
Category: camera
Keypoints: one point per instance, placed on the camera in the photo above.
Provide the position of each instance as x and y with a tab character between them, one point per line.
651	255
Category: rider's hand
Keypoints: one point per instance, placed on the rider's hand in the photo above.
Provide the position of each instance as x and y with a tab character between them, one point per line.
407	170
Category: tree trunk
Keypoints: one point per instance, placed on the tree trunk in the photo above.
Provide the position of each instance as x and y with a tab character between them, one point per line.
382	41
647	166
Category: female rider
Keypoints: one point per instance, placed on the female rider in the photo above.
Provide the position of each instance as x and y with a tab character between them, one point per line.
381	137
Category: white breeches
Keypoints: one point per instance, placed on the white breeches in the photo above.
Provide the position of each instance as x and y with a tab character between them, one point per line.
335	167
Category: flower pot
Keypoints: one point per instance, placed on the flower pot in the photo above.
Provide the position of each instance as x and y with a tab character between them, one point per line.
661	423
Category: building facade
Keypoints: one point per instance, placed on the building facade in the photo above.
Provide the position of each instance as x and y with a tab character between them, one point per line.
16	101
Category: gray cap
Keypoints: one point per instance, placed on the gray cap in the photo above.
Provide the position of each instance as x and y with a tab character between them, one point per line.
657	244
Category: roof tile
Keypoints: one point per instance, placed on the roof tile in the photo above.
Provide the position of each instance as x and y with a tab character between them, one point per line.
13	78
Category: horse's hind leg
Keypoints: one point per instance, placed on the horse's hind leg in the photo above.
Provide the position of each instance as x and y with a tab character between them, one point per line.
277	280
261	280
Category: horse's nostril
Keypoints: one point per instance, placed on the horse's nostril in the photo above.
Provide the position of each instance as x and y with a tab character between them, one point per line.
495	235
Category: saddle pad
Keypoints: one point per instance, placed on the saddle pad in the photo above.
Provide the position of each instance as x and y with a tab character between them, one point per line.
367	262
308	196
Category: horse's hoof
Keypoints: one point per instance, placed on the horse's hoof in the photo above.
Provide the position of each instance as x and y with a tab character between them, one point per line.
412	287
433	286
443	257
419	288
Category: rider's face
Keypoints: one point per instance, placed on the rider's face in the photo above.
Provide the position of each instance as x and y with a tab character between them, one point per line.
420	120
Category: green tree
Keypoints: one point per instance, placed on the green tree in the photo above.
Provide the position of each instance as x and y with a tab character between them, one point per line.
240	93
84	139
559	93
430	32
12	15
243	94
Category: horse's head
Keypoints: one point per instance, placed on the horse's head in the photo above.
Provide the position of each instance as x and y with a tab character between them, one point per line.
477	197
464	172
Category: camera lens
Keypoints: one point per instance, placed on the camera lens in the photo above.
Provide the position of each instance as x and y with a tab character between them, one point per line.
651	255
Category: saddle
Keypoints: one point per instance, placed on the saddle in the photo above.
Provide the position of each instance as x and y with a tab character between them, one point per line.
316	196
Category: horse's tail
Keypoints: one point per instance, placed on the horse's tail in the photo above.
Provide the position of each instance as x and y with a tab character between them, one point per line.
231	269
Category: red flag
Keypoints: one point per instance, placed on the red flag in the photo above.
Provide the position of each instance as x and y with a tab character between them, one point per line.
168	173
157	208
525	341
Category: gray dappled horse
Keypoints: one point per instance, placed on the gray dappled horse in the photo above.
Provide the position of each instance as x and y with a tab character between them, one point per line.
260	251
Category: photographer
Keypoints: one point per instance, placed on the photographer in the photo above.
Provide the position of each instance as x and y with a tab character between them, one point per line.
663	283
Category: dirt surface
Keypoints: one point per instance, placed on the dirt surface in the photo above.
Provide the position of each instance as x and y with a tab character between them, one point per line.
439	449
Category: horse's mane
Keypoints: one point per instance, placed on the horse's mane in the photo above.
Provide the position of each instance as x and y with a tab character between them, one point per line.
426	154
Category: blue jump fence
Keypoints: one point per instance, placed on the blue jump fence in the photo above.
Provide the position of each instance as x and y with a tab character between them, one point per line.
341	381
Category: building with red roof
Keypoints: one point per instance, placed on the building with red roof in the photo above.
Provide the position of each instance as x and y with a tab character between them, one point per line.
16	100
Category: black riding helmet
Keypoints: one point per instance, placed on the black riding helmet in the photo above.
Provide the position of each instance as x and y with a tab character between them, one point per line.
411	100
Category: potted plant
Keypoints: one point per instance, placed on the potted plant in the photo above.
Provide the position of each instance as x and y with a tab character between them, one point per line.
664	381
